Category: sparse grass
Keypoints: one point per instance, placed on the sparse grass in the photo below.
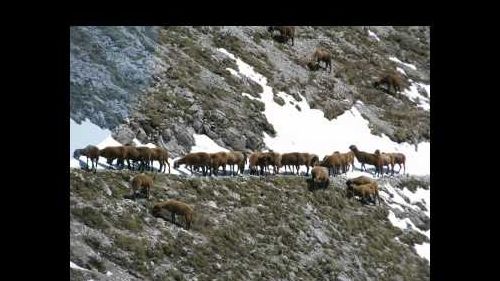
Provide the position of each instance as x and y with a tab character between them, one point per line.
90	217
268	221
97	264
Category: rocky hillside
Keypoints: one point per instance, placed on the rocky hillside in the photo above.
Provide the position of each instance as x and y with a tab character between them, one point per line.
162	84
270	228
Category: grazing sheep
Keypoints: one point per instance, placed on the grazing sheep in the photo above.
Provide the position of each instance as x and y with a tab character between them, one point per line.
319	177
161	155
322	55
365	191
175	208
90	151
399	158
364	157
384	159
196	159
142	181
359	181
392	80
287	32
218	159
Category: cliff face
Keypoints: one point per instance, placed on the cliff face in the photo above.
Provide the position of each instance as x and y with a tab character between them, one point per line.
162	84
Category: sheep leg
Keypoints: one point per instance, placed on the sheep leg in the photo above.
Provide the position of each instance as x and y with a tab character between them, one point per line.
173	217
168	167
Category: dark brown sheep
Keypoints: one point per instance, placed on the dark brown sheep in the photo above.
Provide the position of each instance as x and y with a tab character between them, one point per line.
111	153
273	159
286	32
175	208
291	160
365	191
90	151
217	160
161	155
131	153
364	157
391	80
142	181
322	55
197	159
145	156
253	162
399	158
319	177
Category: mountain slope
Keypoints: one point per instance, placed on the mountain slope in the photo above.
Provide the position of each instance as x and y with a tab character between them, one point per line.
244	228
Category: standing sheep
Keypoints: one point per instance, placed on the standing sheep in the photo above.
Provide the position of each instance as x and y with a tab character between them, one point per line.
399	158
384	159
323	55
90	151
365	191
217	160
364	157
175	208
161	155
196	159
286	32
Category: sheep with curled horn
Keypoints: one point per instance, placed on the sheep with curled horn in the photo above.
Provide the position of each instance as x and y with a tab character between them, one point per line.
286	32
364	157
90	151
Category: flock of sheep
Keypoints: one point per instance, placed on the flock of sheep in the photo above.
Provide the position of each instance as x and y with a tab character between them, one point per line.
258	162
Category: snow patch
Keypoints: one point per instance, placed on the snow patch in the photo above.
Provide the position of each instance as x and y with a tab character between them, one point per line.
394	59
401	71
424	250
372	34
75	266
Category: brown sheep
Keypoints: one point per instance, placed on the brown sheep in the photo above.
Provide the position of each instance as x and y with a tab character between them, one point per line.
291	159
131	153
359	181
365	191
399	158
322	55
175	208
142	181
286	32
236	158
364	157
333	163
392	80
350	160
198	159
145	156
384	159
90	151
254	160
273	159
161	155
111	153
217	160
319	177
